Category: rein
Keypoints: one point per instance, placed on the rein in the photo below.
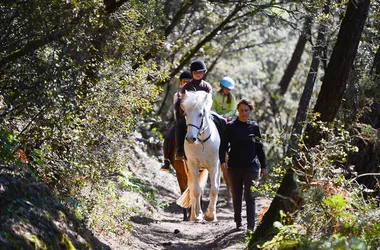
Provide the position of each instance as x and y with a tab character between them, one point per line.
200	132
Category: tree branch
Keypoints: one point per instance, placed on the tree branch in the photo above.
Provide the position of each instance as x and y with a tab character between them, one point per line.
113	5
185	59
32	46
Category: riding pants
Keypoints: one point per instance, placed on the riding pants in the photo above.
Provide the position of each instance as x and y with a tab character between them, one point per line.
180	133
169	143
243	177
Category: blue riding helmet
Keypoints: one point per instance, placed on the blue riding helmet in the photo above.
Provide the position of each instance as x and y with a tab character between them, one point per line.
227	82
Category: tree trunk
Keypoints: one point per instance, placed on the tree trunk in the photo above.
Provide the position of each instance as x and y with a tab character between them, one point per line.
303	105
296	57
329	99
372	117
340	65
287	198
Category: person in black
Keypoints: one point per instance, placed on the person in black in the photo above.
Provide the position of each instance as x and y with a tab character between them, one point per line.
198	70
241	140
169	140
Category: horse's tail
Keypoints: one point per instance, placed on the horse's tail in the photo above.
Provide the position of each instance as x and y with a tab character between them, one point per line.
184	199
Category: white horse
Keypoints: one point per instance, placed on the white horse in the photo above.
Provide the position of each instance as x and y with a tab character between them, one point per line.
202	153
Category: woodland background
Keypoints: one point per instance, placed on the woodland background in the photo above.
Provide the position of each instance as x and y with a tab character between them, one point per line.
83	83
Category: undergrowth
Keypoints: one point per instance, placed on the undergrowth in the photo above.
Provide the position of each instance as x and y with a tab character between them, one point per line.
337	212
104	202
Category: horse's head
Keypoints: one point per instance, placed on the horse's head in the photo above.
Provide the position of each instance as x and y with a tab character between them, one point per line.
197	106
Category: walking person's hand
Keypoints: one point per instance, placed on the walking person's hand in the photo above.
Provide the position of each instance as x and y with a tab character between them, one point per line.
224	167
264	174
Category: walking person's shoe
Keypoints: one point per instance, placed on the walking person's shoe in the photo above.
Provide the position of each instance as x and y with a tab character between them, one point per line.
240	226
250	229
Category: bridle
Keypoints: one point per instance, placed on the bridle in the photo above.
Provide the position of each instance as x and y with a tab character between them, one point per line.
200	130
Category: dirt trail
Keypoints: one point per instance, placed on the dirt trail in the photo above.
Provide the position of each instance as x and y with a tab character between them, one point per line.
166	229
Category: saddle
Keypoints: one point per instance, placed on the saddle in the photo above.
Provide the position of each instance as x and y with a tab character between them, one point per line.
220	122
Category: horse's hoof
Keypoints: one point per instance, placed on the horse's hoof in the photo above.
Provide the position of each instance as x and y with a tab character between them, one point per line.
199	218
210	218
194	219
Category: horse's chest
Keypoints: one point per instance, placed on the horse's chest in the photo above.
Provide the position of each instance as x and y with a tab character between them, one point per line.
201	153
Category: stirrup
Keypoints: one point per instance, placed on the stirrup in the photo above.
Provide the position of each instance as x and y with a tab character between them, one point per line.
179	155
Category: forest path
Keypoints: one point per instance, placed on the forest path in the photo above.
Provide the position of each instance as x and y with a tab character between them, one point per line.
164	227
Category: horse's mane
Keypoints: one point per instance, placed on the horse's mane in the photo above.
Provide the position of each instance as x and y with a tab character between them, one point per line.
197	98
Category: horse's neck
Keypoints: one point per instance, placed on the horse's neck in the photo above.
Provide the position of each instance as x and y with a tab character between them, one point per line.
207	126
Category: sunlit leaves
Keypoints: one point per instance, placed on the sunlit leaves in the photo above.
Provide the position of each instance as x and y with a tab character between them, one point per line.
77	99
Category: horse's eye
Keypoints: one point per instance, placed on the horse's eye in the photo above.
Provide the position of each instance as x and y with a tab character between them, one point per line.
200	115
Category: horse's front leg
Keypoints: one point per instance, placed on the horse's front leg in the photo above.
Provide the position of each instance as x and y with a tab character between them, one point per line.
210	214
195	194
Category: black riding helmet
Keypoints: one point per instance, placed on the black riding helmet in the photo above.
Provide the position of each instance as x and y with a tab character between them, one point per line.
198	65
185	75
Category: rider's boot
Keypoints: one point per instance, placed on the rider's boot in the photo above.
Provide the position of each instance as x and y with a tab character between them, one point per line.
180	155
166	166
180	134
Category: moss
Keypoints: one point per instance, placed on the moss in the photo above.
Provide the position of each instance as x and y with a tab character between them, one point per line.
35	241
66	243
32	218
60	216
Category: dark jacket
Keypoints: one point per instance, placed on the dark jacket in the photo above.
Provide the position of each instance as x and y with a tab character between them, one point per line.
196	85
178	112
241	140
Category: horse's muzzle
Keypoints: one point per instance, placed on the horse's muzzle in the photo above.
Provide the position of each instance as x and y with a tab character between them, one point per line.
191	140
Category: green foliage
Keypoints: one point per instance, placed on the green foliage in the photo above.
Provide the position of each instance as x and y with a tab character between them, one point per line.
66	71
79	86
335	214
128	182
109	208
8	145
268	188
